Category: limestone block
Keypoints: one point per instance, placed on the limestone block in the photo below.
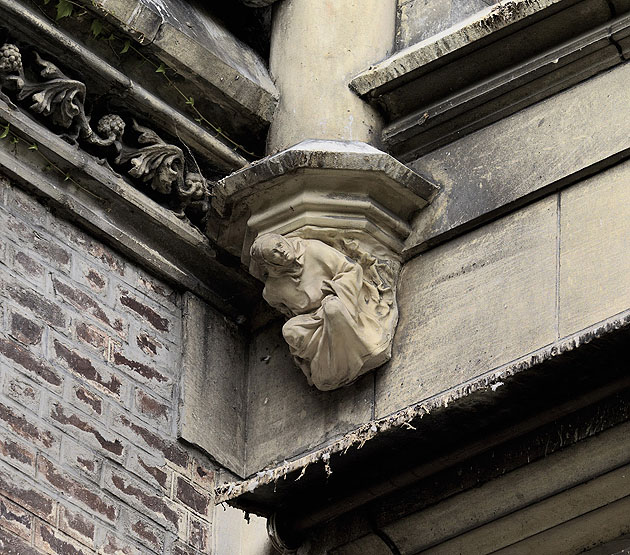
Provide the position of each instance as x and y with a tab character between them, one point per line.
594	279
213	385
531	150
472	305
285	416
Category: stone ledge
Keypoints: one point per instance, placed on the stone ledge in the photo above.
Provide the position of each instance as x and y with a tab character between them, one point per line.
304	489
454	84
51	39
195	44
332	184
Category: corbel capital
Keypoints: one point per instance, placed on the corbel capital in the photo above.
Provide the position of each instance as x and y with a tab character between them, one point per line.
323	224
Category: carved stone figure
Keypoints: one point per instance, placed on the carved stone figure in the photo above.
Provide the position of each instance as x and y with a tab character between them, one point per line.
340	322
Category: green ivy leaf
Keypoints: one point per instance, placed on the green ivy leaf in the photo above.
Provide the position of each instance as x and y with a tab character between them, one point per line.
126	47
67	177
161	69
190	101
33	147
14	140
96	27
46	2
4	133
64	9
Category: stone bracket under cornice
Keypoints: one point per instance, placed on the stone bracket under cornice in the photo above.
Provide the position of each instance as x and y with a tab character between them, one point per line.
322	183
323	223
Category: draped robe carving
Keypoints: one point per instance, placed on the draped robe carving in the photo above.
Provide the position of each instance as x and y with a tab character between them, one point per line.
340	321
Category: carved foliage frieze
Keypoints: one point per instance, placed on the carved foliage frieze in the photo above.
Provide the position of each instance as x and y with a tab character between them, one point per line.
128	146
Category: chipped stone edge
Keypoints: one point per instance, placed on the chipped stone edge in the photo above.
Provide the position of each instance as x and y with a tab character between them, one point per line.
491	380
465	33
318	155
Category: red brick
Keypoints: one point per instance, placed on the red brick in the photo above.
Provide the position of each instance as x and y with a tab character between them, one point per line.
28	429
24	330
87	400
198	501
149	470
17	454
81	493
73	423
23	393
113	545
148	534
84	460
16	519
203	477
52	252
88	305
148	345
162	293
38	305
199	534
12	545
136	433
157	412
89	246
140	370
29	362
150	503
14	486
92	336
147	313
93	277
77	525
183	549
53	541
28	266
84	368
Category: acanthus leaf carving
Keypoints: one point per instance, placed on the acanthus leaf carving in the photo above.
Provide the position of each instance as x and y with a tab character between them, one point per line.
61	99
156	162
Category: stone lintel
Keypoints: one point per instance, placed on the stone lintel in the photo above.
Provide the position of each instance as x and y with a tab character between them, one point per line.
326	184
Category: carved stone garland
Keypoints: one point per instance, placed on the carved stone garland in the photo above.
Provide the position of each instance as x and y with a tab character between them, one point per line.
156	163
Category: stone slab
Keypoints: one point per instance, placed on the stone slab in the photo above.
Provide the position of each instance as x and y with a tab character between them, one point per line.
213	385
594	249
472	305
545	146
490	21
286	417
418	20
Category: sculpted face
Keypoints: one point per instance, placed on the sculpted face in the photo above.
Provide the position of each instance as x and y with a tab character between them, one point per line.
278	251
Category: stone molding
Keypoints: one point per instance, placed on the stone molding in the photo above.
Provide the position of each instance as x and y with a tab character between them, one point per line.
452	84
61	100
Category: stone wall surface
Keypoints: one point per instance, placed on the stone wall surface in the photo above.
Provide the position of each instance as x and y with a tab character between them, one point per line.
89	366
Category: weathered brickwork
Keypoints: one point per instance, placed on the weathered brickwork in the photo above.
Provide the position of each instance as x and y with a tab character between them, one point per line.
89	364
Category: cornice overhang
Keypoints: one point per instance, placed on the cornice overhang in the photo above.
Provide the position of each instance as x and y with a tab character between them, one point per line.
397	465
452	84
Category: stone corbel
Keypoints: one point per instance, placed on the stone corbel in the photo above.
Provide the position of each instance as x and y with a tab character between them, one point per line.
323	224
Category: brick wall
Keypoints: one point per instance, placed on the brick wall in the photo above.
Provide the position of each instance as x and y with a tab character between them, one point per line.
90	350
